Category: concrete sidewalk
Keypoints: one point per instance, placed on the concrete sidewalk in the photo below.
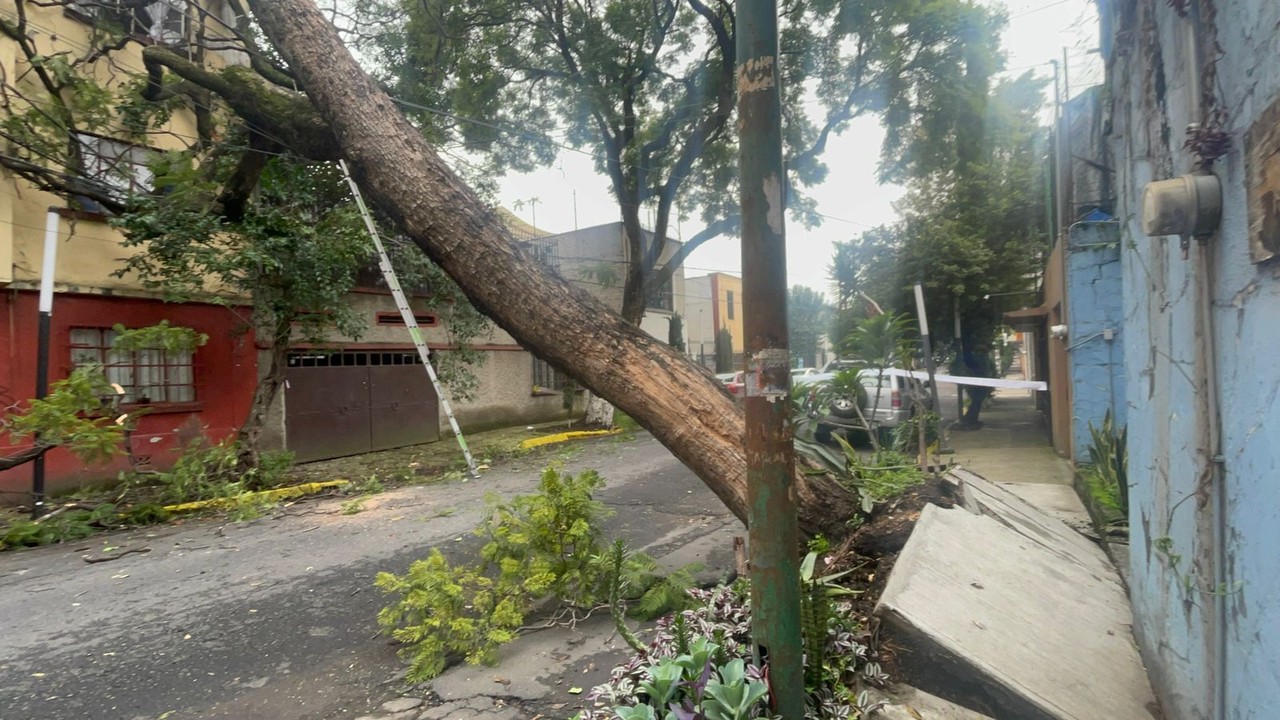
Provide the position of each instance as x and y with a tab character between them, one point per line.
1003	604
1012	449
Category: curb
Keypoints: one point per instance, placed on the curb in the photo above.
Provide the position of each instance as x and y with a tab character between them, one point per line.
565	437
274	494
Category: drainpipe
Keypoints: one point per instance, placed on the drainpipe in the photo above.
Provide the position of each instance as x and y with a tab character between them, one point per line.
1207	348
1208	351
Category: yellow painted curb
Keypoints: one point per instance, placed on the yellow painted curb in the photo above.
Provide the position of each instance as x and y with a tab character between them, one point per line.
565	436
276	494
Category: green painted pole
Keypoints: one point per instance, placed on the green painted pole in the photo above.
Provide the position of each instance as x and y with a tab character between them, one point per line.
771	514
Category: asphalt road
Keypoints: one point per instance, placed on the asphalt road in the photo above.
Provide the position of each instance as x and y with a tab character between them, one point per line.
274	618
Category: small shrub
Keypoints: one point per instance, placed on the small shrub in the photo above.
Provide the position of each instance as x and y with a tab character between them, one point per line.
368	486
201	472
65	526
889	474
206	471
273	467
693	686
716	632
1107	478
906	437
144	514
543	545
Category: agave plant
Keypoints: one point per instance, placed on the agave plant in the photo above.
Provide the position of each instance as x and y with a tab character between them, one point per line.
1109	477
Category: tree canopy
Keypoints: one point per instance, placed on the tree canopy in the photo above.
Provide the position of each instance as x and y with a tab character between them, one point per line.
968	229
647	88
807	317
247	212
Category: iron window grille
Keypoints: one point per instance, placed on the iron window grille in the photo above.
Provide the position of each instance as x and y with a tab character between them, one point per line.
151	375
164	21
352	358
547	252
120	166
661	297
546	377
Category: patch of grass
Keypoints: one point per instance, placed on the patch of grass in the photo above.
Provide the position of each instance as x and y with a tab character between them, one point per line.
889	474
624	422
353	507
368	486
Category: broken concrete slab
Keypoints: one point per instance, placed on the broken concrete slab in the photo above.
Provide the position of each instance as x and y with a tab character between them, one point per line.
1057	501
1001	504
1002	621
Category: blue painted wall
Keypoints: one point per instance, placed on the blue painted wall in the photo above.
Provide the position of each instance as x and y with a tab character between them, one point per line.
1205	553
1094	306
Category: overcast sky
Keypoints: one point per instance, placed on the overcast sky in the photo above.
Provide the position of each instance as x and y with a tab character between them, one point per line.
1038	30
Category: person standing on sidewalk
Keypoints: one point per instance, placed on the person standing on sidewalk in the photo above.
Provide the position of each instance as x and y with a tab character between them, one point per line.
975	363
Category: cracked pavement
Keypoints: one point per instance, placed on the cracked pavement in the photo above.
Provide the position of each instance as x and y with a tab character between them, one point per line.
275	618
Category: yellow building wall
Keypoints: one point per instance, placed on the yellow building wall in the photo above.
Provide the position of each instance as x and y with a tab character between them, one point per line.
89	251
727	290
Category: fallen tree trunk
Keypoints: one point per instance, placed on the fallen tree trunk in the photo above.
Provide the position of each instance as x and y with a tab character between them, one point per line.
666	393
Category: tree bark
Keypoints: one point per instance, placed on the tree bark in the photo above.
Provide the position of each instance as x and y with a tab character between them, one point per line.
665	392
22	457
599	412
249	436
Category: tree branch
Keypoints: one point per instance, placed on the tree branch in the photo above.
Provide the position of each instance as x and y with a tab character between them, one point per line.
22	457
280	115
63	184
710	127
723	226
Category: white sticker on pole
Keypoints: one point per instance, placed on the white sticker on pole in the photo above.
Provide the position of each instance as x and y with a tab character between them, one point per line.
769	362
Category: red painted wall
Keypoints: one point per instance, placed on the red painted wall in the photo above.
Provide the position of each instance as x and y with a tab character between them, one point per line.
225	373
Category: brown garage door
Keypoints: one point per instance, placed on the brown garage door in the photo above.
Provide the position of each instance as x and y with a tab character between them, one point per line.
347	403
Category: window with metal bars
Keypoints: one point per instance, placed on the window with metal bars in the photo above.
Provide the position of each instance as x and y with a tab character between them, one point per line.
661	297
352	358
546	377
164	21
118	165
152	375
547	252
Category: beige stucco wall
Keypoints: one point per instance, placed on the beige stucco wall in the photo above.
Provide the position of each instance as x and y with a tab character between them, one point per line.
585	254
504	396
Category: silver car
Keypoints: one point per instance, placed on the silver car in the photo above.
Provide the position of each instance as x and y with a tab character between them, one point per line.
889	401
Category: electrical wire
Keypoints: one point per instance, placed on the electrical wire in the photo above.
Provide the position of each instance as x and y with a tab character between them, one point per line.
507	129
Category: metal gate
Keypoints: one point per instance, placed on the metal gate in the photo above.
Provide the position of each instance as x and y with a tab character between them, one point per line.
352	402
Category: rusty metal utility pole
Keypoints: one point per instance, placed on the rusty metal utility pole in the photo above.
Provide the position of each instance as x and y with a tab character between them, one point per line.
771	512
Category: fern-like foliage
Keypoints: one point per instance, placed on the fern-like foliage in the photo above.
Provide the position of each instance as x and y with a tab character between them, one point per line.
542	545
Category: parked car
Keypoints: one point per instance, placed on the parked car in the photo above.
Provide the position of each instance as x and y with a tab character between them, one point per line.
738	385
725	378
886	401
803	372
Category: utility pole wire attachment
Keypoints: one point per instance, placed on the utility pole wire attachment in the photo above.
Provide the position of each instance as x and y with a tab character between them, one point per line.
406	313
